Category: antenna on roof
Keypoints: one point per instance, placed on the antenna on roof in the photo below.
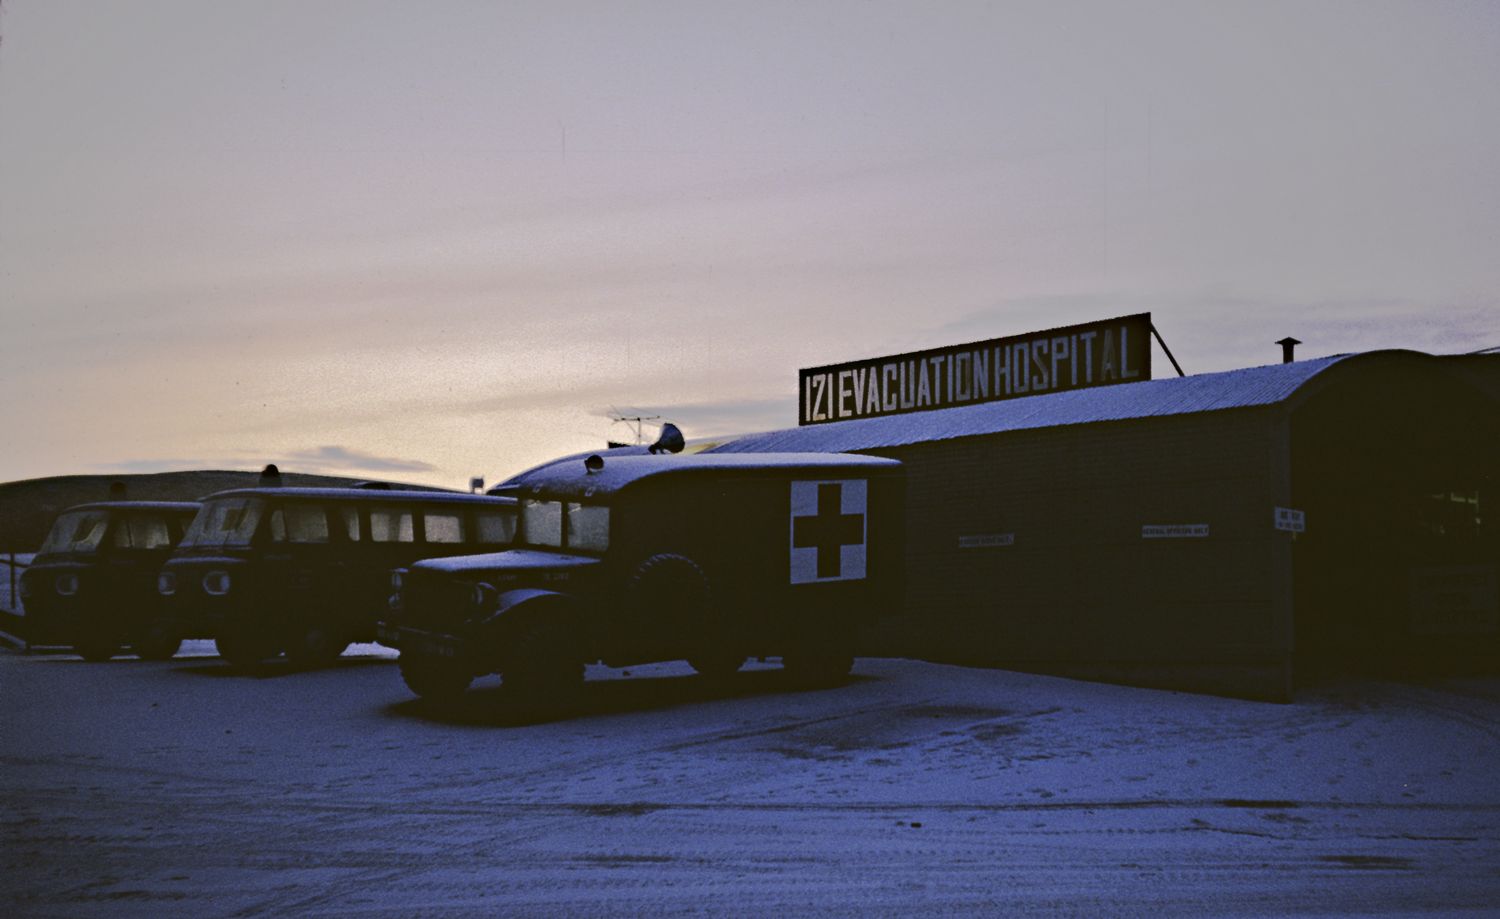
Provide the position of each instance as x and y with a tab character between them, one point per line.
637	420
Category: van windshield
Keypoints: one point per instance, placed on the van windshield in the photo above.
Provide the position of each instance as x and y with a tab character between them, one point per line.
226	522
142	531
79	531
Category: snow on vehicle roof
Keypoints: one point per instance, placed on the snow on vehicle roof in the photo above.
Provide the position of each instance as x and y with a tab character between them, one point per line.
135	506
570	476
363	495
1205	392
694	445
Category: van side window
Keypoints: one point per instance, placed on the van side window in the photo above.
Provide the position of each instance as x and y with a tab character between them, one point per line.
391	526
443	527
299	523
496	527
350	517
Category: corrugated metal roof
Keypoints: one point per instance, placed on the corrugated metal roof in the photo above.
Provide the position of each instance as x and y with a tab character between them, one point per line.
1205	392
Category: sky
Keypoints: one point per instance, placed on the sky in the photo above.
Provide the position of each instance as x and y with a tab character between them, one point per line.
432	241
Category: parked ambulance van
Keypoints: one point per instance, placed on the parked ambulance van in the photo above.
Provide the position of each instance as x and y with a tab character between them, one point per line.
92	585
307	570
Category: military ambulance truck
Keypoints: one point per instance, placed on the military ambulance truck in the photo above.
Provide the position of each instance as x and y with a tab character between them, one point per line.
632	559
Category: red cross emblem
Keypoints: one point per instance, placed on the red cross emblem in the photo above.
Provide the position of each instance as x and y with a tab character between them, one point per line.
828	531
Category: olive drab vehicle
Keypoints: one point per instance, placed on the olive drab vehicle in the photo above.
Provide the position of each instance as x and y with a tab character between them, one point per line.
307	570
632	559
92	585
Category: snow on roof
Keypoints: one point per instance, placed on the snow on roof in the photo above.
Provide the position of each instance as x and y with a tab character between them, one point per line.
1204	392
570	477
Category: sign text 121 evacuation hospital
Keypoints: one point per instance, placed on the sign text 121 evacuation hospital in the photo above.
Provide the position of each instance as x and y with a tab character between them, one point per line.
1074	357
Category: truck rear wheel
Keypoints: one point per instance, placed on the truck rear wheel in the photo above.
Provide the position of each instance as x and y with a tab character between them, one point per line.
821	663
716	665
433	679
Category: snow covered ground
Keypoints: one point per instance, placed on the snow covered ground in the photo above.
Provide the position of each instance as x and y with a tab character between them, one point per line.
146	789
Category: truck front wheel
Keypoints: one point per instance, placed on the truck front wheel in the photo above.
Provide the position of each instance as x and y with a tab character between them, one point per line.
542	670
434	679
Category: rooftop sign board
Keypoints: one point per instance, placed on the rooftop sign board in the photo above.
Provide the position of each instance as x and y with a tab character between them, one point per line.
1072	357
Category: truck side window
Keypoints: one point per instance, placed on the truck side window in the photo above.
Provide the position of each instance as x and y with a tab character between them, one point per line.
350	517
588	527
541	523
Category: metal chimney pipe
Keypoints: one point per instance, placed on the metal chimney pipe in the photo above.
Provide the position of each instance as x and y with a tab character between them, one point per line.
1288	344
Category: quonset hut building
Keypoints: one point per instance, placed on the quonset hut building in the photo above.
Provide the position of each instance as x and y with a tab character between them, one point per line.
1237	533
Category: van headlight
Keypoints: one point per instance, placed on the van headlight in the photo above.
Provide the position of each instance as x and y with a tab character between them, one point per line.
66	585
216	583
166	583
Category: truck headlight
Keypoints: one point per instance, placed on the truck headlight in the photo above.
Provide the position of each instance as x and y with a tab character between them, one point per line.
216	583
166	583
66	585
398	579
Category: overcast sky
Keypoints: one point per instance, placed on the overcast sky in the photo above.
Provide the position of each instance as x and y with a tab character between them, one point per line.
432	240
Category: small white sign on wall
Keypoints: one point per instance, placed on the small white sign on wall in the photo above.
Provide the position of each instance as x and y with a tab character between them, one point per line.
986	540
1174	531
1292	521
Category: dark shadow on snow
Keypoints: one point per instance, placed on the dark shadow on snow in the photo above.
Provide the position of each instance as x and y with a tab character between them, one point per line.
490	705
278	667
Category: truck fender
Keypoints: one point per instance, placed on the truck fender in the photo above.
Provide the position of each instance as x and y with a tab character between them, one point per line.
518	611
511	605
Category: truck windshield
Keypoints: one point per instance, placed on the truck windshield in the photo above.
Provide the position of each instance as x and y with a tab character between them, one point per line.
587	525
226	522
79	531
541	523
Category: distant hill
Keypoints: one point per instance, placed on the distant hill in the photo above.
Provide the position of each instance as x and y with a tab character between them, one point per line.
27	508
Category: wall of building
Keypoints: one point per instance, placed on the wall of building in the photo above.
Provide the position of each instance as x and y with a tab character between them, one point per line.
1079	590
1398	472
